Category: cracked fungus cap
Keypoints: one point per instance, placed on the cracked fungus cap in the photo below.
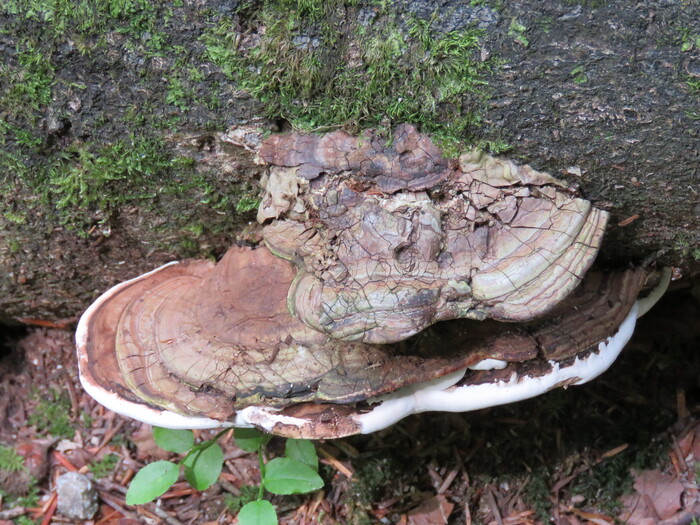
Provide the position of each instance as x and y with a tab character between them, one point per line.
389	239
197	345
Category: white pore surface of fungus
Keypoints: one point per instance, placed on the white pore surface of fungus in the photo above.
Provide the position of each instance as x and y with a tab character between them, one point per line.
425	398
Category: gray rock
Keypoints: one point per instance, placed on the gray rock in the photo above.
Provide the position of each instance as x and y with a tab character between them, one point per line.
77	497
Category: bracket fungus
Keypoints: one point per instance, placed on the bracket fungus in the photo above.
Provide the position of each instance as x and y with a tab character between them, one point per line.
390	239
328	329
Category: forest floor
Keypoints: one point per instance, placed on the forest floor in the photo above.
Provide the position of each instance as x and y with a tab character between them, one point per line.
622	449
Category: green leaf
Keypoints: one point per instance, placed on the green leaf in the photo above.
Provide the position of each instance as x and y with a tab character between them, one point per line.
202	467
151	481
259	512
179	441
302	450
289	476
250	439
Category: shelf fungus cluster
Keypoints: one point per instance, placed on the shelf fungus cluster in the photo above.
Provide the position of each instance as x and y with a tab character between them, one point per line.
390	281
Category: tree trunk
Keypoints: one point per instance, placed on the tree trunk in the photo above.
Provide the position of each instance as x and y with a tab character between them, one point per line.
114	159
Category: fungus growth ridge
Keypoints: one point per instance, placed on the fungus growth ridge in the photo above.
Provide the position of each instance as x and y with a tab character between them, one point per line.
381	290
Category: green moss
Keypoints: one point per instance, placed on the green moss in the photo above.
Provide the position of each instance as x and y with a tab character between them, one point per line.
604	484
537	493
15	218
85	16
319	70
687	247
235	503
86	184
177	94
26	84
30	499
109	176
688	39
104	466
579	75
52	415
247	203
26	520
10	460
374	477
516	30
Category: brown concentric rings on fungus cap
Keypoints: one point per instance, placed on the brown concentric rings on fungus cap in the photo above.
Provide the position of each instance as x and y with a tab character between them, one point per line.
170	348
380	261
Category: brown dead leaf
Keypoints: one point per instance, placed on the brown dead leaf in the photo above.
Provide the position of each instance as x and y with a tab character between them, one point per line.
433	511
146	448
658	496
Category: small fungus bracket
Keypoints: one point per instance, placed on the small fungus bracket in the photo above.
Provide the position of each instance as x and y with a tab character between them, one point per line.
391	239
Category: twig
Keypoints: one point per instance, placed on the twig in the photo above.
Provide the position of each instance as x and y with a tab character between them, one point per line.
12	513
63	460
158	511
229	487
109	486
682	408
107	518
187	491
335	463
109	435
112	502
678	453
491	500
51	510
448	480
316	502
590	516
74	406
63	324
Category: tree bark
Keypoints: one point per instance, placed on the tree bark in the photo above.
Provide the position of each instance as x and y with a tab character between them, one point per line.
603	94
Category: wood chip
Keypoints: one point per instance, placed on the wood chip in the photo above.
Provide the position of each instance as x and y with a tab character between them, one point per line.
628	220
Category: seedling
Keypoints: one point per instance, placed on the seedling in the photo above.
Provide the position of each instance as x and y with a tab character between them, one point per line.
295	473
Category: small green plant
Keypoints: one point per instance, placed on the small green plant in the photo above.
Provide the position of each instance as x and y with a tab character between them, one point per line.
295	473
579	74
177	95
25	520
10	461
689	40
247	203
516	30
104	466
